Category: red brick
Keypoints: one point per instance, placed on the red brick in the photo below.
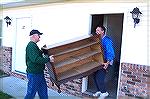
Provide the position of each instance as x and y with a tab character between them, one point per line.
136	80
131	76
146	75
126	72
131	82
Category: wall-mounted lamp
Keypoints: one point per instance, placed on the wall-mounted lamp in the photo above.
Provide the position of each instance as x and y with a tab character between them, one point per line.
8	20
136	15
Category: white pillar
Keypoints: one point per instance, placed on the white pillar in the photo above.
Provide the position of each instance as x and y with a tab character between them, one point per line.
84	83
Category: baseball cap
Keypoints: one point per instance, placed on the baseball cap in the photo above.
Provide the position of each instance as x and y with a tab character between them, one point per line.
35	32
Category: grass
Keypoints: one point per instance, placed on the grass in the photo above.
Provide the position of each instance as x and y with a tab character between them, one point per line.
4	95
1	73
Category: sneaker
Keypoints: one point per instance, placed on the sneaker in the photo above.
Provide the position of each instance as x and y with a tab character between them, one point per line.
98	93
103	95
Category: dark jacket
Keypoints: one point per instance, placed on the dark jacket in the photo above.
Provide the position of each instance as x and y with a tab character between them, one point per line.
34	60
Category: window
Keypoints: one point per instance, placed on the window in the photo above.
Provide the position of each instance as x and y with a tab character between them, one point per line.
0	32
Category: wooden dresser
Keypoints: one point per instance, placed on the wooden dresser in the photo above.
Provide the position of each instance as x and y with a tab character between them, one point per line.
74	59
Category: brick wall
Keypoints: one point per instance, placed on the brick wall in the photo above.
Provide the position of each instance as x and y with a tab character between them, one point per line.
71	87
6	59
134	81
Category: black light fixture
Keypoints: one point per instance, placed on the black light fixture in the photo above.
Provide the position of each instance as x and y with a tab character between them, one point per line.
136	15
8	20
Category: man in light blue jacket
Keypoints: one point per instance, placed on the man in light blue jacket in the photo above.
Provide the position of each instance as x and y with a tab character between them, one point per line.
109	56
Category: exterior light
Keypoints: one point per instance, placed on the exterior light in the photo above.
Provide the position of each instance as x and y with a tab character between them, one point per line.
8	20
136	15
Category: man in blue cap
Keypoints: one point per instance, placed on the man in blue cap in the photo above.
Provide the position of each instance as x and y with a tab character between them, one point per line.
35	68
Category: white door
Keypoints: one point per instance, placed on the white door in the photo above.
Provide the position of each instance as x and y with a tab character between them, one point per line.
22	39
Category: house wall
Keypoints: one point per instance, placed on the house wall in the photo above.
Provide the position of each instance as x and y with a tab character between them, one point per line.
134	71
50	20
60	22
135	40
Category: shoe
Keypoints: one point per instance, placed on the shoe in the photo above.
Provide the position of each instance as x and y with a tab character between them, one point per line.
103	95
98	93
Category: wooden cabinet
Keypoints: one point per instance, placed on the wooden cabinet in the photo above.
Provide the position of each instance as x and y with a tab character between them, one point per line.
74	59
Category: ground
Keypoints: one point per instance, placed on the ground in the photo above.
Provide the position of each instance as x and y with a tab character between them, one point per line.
2	94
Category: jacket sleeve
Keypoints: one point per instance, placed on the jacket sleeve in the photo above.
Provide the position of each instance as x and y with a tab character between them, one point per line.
35	55
110	55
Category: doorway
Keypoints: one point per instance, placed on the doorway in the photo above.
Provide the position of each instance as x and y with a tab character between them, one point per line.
114	28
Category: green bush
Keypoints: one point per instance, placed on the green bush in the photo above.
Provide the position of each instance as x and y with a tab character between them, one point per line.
1	73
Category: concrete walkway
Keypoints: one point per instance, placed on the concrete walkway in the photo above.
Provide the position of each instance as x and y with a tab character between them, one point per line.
17	88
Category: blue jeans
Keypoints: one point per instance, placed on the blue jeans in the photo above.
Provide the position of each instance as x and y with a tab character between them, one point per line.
100	80
36	83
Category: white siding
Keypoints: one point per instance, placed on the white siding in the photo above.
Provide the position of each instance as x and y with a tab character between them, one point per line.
61	22
135	40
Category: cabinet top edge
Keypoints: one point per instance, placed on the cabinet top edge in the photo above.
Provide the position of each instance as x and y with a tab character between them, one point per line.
67	41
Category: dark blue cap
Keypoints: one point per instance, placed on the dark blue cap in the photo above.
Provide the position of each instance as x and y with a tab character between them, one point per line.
35	32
